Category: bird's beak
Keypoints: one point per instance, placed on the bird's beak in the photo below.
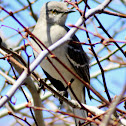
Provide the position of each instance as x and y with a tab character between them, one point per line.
69	11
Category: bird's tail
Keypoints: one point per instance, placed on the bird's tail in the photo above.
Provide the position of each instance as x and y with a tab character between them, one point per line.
81	112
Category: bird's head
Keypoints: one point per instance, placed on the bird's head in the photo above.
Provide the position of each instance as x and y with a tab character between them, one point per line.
55	12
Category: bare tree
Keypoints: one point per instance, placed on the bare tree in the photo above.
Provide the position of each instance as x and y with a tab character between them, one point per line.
26	94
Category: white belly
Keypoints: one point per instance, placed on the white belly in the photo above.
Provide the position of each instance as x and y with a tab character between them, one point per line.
76	85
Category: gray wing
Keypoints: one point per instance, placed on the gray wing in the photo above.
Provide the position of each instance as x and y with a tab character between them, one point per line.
78	59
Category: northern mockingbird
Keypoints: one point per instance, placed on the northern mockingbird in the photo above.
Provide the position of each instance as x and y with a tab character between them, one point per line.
50	28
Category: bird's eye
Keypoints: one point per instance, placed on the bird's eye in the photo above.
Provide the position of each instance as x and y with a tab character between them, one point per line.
54	11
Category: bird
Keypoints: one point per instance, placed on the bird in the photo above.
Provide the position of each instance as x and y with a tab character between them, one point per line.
50	28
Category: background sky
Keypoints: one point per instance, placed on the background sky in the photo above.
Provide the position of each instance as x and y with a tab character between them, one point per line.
115	79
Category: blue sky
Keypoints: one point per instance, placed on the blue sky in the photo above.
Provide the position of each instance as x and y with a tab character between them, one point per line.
115	79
